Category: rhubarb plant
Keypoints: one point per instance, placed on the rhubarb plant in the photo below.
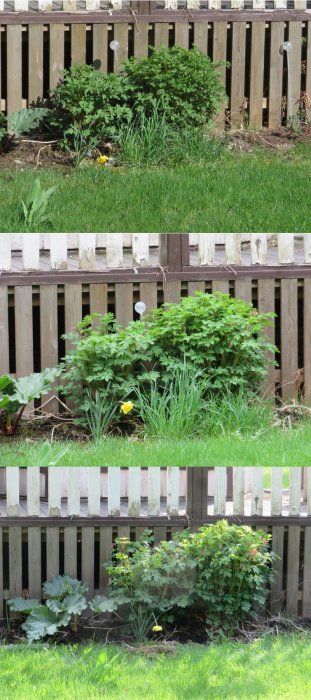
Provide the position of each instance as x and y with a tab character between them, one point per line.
15	395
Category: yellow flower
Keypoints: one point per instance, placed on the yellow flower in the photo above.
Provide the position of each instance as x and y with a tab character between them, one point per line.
157	628
127	407
102	160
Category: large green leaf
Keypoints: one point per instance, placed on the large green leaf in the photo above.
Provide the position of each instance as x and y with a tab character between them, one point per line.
23	605
102	604
34	386
42	622
61	586
25	120
6	381
73	604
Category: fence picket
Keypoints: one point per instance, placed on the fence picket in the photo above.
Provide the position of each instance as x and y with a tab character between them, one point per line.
5	252
31	247
114	485
33	491
172	490
70	551
286	248
295	490
206	248
34	562
306	591
114	249
276	490
277	545
87	558
307	336
73	491
293	570
307	247
12	491
58	251
134	491
54	491
1	572
154	490
238	490
289	337
220	490
4	331
257	491
93	492
259	249
87	245
233	248
52	547
140	249
15	561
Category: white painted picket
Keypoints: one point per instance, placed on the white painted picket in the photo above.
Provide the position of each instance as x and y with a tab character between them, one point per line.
153	491
115	250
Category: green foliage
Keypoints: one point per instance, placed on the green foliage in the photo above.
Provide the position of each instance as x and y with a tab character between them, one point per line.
147	582
218	338
35	205
106	358
15	394
3	131
174	406
153	141
26	120
88	100
184	84
218	574
218	335
98	412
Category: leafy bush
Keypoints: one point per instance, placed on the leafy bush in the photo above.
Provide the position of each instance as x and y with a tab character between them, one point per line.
106	358
218	574
15	394
18	123
184	84
89	101
219	337
233	566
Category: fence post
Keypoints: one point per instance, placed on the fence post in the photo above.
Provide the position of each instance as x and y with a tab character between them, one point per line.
196	499
174	251
141	8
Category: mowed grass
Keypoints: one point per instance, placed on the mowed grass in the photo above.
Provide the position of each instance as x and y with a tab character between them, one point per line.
272	448
270	668
249	192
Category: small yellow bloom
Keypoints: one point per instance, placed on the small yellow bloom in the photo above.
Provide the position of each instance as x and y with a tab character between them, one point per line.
157	628
127	407
102	160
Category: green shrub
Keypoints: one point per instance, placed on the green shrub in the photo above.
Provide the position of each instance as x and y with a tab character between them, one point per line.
217	575
183	83
220	337
90	101
233	566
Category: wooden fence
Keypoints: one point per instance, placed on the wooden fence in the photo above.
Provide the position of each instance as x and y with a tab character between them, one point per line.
38	306
37	45
117	5
92	251
42	537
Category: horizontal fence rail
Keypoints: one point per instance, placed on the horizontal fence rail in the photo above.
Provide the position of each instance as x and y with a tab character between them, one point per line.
36	46
61	251
55	525
196	492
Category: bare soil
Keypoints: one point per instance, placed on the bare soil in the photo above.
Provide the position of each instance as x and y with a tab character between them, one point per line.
34	154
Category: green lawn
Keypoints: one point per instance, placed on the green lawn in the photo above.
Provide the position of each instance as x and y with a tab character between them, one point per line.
272	448
250	192
270	668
